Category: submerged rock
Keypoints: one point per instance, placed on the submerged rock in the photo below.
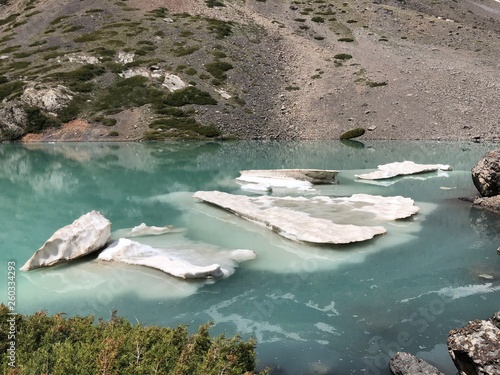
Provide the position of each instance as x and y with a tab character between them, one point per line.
402	169
85	235
295	225
407	364
144	230
475	348
489	203
186	264
486	174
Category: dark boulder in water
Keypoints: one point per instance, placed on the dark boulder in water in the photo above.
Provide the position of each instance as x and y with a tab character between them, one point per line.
486	174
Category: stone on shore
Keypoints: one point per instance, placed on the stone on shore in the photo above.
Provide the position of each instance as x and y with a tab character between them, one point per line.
407	364
402	169
486	174
475	348
489	203
89	233
186	263
287	222
289	178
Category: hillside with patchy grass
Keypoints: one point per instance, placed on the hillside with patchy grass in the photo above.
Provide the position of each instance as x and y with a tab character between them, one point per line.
252	69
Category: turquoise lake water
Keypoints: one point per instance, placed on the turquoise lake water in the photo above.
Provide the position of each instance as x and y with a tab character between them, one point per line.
313	309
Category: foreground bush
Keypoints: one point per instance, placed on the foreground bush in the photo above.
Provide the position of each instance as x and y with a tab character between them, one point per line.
59	345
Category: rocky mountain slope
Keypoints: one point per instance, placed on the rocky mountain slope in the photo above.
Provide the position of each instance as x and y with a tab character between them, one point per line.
253	69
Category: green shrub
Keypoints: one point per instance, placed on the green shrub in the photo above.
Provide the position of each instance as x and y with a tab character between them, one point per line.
185	51
81	74
10	49
127	93
318	19
10	88
161	109
188	95
376	84
73	109
218	69
159	12
59	345
9	19
343	56
73	28
96	35
214	3
348	40
221	29
187	126
106	121
38	120
219	54
57	20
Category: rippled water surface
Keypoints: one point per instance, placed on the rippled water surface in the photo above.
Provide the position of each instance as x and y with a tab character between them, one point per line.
313	310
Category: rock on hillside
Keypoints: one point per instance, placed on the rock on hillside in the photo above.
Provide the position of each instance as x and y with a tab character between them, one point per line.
412	69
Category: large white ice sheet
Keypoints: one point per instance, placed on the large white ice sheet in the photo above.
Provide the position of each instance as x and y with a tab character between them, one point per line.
297	225
401	169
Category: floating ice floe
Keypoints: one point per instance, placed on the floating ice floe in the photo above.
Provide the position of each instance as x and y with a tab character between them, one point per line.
402	169
185	263
266	179
85	235
309	220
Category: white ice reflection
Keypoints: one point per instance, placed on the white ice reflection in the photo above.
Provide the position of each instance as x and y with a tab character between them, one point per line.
252	323
458	292
100	283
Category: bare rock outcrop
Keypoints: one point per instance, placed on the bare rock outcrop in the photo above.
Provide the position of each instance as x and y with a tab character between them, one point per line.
13	121
85	235
407	364
486	174
475	348
50	99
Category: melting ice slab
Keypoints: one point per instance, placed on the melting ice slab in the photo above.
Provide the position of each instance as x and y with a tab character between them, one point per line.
287	220
401	169
86	234
186	264
289	178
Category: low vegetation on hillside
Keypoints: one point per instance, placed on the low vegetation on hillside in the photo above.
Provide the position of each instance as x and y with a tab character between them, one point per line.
115	58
